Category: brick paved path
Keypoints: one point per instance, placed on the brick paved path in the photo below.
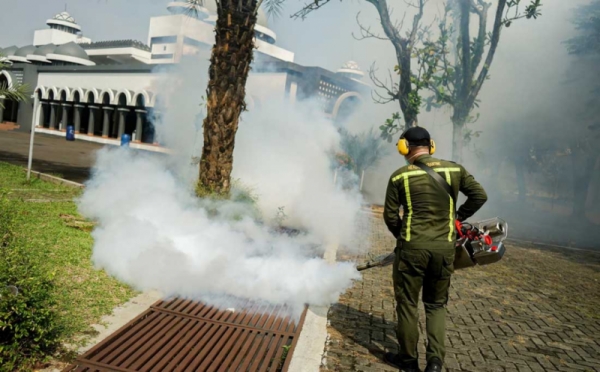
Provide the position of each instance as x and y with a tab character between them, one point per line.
537	310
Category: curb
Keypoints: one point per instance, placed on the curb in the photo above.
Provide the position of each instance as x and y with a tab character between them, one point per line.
310	349
55	180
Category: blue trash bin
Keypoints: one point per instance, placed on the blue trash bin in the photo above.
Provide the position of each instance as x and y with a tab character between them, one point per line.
70	133
125	139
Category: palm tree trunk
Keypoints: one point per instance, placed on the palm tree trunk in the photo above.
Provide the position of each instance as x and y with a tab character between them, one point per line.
229	67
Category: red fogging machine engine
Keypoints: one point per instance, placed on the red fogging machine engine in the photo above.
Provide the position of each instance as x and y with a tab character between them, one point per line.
478	243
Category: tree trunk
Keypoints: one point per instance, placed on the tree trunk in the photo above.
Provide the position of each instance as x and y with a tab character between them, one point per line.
230	64
583	169
406	91
459	119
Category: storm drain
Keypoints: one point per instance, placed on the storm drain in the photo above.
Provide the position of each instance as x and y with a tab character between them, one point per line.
183	335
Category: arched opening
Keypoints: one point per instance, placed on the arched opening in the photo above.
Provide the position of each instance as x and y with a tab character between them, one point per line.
79	110
127	117
49	110
62	112
153	118
38	120
9	109
108	117
141	117
346	105
89	117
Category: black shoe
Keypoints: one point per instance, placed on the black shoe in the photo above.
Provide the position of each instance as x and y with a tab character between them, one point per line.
434	365
394	361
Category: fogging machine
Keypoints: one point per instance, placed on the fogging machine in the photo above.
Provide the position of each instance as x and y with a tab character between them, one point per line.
478	243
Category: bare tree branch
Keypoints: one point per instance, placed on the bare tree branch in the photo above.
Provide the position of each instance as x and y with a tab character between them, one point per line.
465	47
481	37
416	23
490	56
302	13
366	31
391	93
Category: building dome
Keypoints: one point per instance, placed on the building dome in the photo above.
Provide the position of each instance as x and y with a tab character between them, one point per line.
24	51
64	22
10	51
70	53
15	54
39	55
351	70
44	49
72	50
64	16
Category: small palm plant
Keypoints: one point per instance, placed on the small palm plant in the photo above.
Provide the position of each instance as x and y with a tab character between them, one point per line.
364	149
14	92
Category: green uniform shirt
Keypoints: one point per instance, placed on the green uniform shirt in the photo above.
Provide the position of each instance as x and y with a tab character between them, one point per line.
428	219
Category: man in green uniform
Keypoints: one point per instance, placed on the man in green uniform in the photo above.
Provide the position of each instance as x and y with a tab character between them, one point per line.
425	244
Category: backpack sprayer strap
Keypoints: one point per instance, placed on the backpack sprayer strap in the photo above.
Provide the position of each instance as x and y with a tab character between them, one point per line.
442	182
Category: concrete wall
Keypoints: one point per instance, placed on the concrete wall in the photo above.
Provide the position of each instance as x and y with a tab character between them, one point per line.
57	37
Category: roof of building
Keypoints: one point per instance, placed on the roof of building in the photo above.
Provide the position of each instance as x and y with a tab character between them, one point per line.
10	51
45	49
72	50
211	5
351	68
116	44
64	16
351	65
24	51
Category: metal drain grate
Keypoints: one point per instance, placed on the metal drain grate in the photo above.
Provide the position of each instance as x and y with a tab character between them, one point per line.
183	335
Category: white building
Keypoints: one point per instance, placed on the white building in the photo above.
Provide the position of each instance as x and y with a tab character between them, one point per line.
107	88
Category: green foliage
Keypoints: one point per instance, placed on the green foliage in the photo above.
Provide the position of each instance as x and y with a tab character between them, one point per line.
273	8
56	240
587	23
30	328
365	149
17	92
391	127
531	11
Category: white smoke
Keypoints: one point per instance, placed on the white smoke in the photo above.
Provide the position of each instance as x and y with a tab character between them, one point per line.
153	233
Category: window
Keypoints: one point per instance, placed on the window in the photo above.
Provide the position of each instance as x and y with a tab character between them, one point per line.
193	42
162	56
163	40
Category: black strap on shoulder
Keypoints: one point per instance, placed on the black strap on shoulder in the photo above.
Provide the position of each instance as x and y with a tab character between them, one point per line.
442	182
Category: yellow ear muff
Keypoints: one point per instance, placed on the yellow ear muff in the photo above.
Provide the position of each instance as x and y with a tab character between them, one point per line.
432	147
403	147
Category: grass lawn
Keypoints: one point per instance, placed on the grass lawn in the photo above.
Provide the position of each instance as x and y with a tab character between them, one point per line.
57	233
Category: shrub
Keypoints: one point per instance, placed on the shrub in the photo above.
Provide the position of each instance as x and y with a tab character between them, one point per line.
29	323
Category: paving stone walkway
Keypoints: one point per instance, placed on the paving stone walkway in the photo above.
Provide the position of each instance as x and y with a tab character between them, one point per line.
536	310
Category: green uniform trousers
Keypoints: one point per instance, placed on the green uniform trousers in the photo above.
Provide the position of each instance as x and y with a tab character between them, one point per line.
429	269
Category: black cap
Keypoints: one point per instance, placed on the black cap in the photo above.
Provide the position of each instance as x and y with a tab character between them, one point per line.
416	136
